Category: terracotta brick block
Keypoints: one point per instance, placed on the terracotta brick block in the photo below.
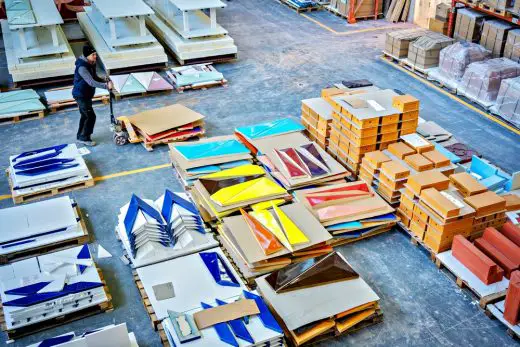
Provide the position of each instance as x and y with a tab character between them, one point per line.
497	256
512	304
503	244
476	261
512	232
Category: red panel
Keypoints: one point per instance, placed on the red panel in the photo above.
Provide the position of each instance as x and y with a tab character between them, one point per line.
512	232
292	169
267	241
476	261
503	244
497	256
512	304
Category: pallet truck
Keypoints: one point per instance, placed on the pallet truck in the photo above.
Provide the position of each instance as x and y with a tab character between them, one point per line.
120	136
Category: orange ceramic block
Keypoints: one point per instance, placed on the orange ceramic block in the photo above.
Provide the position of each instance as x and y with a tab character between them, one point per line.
267	241
512	304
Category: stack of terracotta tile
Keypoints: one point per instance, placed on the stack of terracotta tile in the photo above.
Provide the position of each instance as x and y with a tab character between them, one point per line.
490	211
512	303
371	166
369	121
317	119
504	252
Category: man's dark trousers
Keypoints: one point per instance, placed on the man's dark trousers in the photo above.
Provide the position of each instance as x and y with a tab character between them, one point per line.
87	120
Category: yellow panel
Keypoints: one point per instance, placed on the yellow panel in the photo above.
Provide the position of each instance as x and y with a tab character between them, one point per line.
267	219
267	204
243	170
247	191
293	233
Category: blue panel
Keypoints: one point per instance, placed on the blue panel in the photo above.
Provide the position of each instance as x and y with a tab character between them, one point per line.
223	331
43	163
238	326
14	244
45	169
218	269
54	341
276	127
346	225
84	253
137	204
212	149
265	315
482	168
29	289
57	150
451	156
384	217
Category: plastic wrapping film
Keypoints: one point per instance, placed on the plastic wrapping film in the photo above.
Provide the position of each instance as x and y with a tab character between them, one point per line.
454	59
494	36
507	105
512	47
425	51
482	79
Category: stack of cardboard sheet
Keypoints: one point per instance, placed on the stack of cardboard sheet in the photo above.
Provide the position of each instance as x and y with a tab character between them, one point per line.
48	286
297	162
425	51
222	193
512	47
317	118
494	36
269	239
507	105
48	224
369	121
195	76
192	160
348	210
163	125
139	82
251	135
482	79
155	231
468	25
398	42
47	168
19	102
118	335
320	298
181	292
454	60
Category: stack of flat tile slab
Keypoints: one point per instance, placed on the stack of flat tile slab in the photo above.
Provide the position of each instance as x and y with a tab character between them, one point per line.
156	231
317	118
35	45
61	97
49	224
58	284
47	168
206	156
320	298
139	83
117	30
269	239
369	121
222	193
118	335
188	32
348	211
182	290
164	125
20	102
195	76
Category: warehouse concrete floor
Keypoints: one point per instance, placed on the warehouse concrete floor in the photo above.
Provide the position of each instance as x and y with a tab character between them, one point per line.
283	58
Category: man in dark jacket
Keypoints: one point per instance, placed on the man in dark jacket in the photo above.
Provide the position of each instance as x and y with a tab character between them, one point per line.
86	81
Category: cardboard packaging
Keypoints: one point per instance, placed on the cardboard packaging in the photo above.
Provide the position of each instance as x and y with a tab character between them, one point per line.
442	12
405	103
507	105
494	36
398	42
468	25
513	38
425	51
438	26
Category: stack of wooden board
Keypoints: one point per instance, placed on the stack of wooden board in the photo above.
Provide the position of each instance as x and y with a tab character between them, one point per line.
117	30
189	33
155	231
369	121
195	77
52	169
179	291
64	284
35	46
20	104
39	227
139	83
349	211
195	159
317	118
398	11
320	298
269	239
163	125
222	193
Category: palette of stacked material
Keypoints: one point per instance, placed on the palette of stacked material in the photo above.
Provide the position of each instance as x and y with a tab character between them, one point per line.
349	211
320	298
155	231
195	77
369	121
271	237
139	83
193	160
63	284
35	172
225	192
16	104
187	292
490	211
398	42
163	125
317	119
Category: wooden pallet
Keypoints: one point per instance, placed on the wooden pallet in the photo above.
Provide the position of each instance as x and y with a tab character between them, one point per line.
54	107
391	58
418	242
58	245
299	9
139	68
461	283
119	96
405	63
444	86
47	192
213	59
493	312
61	320
17	118
205	85
501	12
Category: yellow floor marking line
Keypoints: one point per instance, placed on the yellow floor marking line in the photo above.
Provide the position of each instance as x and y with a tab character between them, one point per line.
453	97
319	23
4	197
344	33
